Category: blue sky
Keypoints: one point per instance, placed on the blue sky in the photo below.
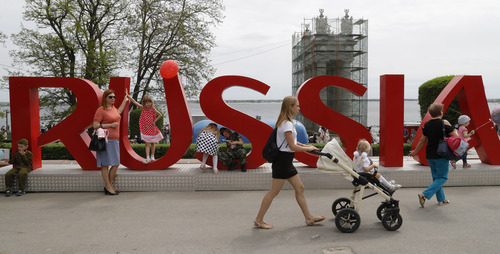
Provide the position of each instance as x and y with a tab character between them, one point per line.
420	39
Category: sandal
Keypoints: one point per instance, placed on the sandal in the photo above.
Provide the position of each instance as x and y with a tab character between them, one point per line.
314	220
466	165
445	202
453	164
262	225
421	200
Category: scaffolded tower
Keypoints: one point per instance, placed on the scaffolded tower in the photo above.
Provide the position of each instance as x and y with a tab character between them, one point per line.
337	47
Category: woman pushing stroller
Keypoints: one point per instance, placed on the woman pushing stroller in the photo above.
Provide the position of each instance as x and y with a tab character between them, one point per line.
282	167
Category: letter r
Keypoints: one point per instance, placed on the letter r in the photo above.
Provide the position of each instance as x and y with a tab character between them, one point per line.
25	108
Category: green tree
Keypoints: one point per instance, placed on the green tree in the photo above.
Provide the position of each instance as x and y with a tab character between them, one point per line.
96	39
74	38
178	30
429	91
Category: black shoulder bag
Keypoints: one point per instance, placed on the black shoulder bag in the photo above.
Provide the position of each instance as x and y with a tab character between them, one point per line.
443	147
97	143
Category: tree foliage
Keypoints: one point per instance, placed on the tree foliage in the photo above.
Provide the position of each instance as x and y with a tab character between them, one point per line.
179	30
429	91
3	38
73	38
97	39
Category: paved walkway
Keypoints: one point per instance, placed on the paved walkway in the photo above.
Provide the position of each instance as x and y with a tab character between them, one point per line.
221	222
63	221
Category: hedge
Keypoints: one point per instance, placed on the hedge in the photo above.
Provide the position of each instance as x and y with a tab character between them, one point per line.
429	91
57	151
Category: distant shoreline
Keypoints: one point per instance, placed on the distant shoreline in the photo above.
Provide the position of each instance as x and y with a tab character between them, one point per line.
5	103
279	101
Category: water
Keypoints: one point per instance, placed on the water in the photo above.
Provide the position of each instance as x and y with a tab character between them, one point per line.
270	110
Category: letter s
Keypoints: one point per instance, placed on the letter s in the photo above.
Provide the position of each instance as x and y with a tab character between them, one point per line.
315	110
217	110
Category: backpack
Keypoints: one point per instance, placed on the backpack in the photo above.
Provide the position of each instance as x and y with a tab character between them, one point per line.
271	149
458	146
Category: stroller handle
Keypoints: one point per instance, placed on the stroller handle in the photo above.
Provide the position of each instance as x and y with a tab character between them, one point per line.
329	156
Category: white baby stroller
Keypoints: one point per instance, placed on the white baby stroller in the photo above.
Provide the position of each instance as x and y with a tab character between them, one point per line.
333	160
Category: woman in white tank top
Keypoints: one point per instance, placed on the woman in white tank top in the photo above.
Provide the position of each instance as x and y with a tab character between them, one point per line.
283	169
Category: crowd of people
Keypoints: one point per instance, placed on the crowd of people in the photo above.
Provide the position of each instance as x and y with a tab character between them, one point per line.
322	136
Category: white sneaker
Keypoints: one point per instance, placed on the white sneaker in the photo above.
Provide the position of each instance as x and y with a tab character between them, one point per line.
396	187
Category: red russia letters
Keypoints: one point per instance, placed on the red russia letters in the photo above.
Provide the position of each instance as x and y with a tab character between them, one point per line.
72	130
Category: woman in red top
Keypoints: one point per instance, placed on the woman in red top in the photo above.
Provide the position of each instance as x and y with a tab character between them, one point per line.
150	134
109	117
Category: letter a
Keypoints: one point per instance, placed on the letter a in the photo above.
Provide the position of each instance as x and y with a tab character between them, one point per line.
472	101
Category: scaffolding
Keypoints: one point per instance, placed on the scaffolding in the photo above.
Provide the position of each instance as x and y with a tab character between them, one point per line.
337	47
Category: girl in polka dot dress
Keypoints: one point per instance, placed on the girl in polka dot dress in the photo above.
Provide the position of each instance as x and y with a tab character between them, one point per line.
150	134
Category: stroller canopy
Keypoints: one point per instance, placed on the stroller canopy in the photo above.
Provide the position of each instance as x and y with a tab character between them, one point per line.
328	166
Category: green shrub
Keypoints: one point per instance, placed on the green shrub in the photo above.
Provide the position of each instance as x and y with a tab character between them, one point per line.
57	151
161	149
429	91
406	149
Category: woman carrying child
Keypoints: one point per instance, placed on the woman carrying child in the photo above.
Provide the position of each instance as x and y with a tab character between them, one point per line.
208	144
364	164
150	134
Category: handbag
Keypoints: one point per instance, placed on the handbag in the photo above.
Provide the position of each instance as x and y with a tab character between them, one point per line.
271	149
99	139
444	149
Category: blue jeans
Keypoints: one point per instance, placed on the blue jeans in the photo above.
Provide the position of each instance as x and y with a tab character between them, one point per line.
439	171
463	158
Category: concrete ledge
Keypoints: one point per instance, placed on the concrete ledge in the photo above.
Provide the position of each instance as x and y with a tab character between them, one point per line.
67	176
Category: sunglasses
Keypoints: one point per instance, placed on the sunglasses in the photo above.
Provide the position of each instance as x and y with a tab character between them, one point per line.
111	97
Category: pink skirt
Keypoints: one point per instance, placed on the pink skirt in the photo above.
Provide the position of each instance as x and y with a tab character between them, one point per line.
151	138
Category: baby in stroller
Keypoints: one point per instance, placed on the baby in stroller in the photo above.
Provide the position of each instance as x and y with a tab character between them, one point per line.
364	164
333	160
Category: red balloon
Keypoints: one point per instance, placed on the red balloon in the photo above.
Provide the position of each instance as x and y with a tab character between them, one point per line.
169	69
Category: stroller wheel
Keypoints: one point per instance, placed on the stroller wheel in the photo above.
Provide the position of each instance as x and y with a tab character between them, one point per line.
347	220
381	210
340	204
392	222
